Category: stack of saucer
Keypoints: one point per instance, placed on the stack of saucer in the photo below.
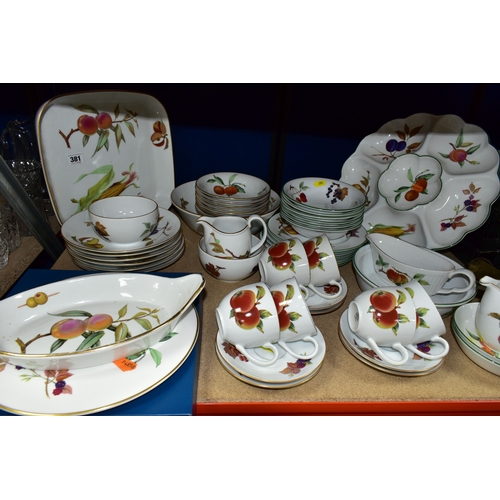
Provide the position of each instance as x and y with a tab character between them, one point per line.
315	206
93	253
230	193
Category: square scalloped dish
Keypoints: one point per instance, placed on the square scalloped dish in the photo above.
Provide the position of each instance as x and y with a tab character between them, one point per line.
98	144
428	179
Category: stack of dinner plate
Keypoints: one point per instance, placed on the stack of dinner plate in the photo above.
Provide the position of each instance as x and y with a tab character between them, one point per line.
322	206
164	246
230	193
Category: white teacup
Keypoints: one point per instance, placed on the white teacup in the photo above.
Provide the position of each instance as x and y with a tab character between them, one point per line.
384	317
397	262
323	267
247	318
430	325
295	320
124	219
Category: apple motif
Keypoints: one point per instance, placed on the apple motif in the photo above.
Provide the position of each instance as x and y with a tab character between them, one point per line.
284	320
383	301
248	320
243	301
309	247
386	319
397	278
283	262
278	250
279	300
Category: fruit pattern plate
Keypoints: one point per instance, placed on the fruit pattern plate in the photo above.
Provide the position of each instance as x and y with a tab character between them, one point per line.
90	390
97	144
428	179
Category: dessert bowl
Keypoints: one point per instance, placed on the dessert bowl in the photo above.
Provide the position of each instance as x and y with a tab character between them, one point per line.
184	202
230	270
93	320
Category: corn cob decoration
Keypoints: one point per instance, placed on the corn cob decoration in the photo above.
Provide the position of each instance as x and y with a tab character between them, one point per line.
395	231
117	188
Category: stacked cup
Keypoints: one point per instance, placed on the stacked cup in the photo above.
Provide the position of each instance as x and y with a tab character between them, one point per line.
397	318
258	316
312	263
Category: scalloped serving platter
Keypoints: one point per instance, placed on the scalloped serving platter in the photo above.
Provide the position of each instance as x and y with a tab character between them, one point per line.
428	179
123	146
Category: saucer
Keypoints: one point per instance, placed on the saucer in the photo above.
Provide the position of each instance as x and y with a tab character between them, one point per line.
367	278
77	231
414	367
469	340
264	385
90	390
319	305
284	370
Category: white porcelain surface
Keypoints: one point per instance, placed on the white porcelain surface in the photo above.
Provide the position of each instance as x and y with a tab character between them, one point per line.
414	367
141	309
284	370
231	270
469	178
135	152
90	390
470	341
488	314
367	278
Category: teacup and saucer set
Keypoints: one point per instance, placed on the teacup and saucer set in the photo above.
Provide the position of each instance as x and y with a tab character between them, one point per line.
396	330
267	337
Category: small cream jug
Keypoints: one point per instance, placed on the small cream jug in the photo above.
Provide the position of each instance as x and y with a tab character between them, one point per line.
230	237
488	313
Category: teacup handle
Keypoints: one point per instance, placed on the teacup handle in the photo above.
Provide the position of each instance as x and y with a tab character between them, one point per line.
397	347
459	272
284	345
437	340
260	362
324	295
264	232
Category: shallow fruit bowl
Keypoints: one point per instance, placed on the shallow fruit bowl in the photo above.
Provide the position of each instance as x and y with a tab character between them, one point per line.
93	320
230	270
184	202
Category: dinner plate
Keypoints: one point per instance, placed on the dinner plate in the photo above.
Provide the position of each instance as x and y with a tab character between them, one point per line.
414	367
265	385
284	369
367	277
90	390
123	144
428	179
78	231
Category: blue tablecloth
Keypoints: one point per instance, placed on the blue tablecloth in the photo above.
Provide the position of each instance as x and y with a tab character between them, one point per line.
175	396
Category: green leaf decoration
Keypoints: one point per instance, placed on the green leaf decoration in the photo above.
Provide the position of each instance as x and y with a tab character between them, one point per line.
402	318
122	311
217	248
130	127
444	155
117	111
156	355
290	292
231	179
74	312
423	324
319	240
402	189
260	292
85	108
409	175
264	314
296	257
90	341
473	149
97	189
460	139
85	140
292	328
168	336
411	292
146	324
294	316
260	327
119	136
56	345
103	140
401	297
219	180
422	311
398	196
121	332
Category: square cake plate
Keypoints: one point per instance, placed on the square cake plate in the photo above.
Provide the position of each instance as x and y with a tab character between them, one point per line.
99	144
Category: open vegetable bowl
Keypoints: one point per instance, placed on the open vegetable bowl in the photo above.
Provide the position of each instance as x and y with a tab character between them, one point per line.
93	320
